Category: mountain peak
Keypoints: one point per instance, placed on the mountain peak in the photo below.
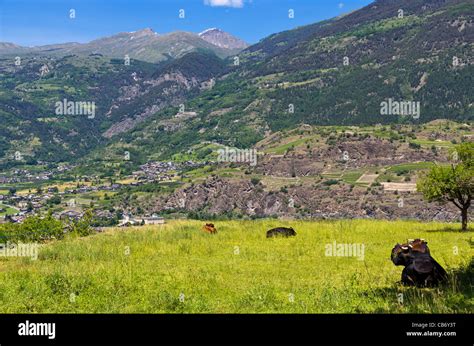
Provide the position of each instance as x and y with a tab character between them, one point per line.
222	39
207	31
145	32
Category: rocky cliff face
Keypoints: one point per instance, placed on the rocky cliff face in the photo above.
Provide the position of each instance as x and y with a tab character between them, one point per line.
220	196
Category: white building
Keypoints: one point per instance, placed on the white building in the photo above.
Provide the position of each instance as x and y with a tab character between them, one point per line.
129	220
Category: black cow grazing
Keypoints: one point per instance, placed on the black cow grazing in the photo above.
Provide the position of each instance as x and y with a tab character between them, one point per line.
421	269
281	232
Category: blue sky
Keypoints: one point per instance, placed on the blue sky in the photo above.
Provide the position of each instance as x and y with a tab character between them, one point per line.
37	22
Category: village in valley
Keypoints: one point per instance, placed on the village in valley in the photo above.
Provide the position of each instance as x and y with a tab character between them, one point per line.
67	199
309	172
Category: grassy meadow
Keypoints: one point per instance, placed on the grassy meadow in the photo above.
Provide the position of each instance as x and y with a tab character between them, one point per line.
8	210
177	268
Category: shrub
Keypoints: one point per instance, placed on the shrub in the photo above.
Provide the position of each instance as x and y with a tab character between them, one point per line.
255	181
82	227
55	200
33	229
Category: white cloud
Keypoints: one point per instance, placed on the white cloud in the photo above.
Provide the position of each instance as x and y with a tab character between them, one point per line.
225	3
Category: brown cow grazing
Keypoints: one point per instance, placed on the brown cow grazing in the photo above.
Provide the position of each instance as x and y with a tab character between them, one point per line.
209	228
420	268
281	232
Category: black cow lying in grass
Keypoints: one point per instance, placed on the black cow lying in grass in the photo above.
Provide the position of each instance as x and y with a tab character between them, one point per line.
421	269
281	232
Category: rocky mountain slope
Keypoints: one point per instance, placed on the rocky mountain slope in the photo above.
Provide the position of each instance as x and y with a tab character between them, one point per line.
217	196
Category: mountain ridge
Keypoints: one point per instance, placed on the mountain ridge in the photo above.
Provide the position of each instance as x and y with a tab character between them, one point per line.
144	44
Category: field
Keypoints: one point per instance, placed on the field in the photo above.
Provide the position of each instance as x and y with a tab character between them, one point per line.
7	210
176	268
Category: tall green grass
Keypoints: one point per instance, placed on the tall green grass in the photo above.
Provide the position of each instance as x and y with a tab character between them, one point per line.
176	268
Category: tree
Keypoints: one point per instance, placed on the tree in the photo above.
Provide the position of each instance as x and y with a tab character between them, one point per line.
55	200
452	183
82	227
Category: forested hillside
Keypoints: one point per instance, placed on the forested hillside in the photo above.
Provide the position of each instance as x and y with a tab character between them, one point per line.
336	72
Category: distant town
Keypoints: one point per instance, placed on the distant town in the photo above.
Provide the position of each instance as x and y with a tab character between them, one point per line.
18	204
